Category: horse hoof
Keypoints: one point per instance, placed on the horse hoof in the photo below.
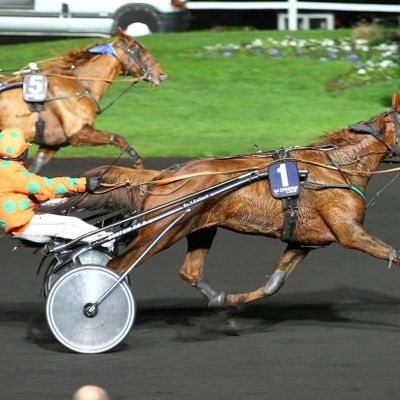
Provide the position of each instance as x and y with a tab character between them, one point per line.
138	164
218	300
232	327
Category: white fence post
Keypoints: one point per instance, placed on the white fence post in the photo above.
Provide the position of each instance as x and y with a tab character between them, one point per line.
293	6
292	15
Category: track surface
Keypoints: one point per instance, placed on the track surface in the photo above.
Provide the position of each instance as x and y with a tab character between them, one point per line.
332	332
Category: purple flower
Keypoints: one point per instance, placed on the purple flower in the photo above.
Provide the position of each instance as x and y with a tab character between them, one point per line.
333	55
274	52
352	57
227	54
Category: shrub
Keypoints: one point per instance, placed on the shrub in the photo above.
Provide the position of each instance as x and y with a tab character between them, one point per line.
367	31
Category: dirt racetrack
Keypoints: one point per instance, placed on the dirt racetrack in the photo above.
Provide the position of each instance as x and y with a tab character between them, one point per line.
332	332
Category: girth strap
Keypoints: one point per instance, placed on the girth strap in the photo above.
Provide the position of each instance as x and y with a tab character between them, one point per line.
39	131
290	204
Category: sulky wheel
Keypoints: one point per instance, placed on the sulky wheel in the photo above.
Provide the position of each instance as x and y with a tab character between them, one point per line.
70	299
92	257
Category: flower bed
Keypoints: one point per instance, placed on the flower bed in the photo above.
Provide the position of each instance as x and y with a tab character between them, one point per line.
369	62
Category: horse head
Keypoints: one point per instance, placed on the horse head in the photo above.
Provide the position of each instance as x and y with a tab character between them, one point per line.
137	61
391	126
385	127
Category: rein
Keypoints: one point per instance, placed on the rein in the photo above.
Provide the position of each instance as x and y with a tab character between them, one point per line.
367	128
166	181
87	78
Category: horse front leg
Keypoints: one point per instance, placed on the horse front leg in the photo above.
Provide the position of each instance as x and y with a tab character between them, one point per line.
290	259
199	244
89	136
353	235
42	157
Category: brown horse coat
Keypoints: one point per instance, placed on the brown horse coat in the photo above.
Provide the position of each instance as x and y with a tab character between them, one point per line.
73	94
331	206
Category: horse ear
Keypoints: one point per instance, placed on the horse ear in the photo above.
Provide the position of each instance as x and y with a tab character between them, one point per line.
121	33
396	101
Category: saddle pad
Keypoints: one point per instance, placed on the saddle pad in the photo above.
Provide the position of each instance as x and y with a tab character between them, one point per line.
35	88
284	179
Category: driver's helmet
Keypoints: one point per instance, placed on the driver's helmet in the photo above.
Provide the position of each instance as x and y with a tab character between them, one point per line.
13	143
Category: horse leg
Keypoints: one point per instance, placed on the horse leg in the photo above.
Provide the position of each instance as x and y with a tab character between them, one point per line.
353	235
289	260
42	157
199	243
89	136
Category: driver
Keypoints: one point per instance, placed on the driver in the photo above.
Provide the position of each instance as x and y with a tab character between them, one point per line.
22	191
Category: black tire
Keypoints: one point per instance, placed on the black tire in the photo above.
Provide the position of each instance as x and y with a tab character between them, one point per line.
138	13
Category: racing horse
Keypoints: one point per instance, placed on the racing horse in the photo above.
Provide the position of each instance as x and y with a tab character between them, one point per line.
330	208
76	82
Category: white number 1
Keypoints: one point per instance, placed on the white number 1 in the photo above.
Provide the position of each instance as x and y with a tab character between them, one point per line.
284	176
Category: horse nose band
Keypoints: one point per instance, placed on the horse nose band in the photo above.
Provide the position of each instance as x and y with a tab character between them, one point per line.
136	56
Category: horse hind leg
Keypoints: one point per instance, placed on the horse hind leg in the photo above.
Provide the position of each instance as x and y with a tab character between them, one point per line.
199	243
289	260
42	157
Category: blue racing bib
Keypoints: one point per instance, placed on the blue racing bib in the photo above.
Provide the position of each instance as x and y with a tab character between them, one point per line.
284	179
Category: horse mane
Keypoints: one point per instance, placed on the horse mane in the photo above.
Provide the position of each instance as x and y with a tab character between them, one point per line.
80	56
342	137
71	57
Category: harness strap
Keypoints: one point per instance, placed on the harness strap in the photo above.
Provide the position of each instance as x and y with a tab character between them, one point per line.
323	186
290	204
358	191
86	93
39	130
8	86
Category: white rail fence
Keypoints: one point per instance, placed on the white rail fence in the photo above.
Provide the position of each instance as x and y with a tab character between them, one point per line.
292	8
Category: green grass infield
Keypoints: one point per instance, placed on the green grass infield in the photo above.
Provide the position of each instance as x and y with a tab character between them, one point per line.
221	105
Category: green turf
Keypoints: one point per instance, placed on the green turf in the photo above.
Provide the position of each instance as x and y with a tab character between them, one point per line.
219	106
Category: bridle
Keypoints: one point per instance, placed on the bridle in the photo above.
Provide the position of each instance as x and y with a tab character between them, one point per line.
136	55
372	128
396	122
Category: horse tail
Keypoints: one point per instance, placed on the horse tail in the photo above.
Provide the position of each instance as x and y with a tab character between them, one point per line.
121	189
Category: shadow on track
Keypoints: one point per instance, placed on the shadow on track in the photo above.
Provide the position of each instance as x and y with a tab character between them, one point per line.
355	309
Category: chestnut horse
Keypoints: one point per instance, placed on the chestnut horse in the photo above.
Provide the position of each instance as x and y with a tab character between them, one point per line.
76	83
331	202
